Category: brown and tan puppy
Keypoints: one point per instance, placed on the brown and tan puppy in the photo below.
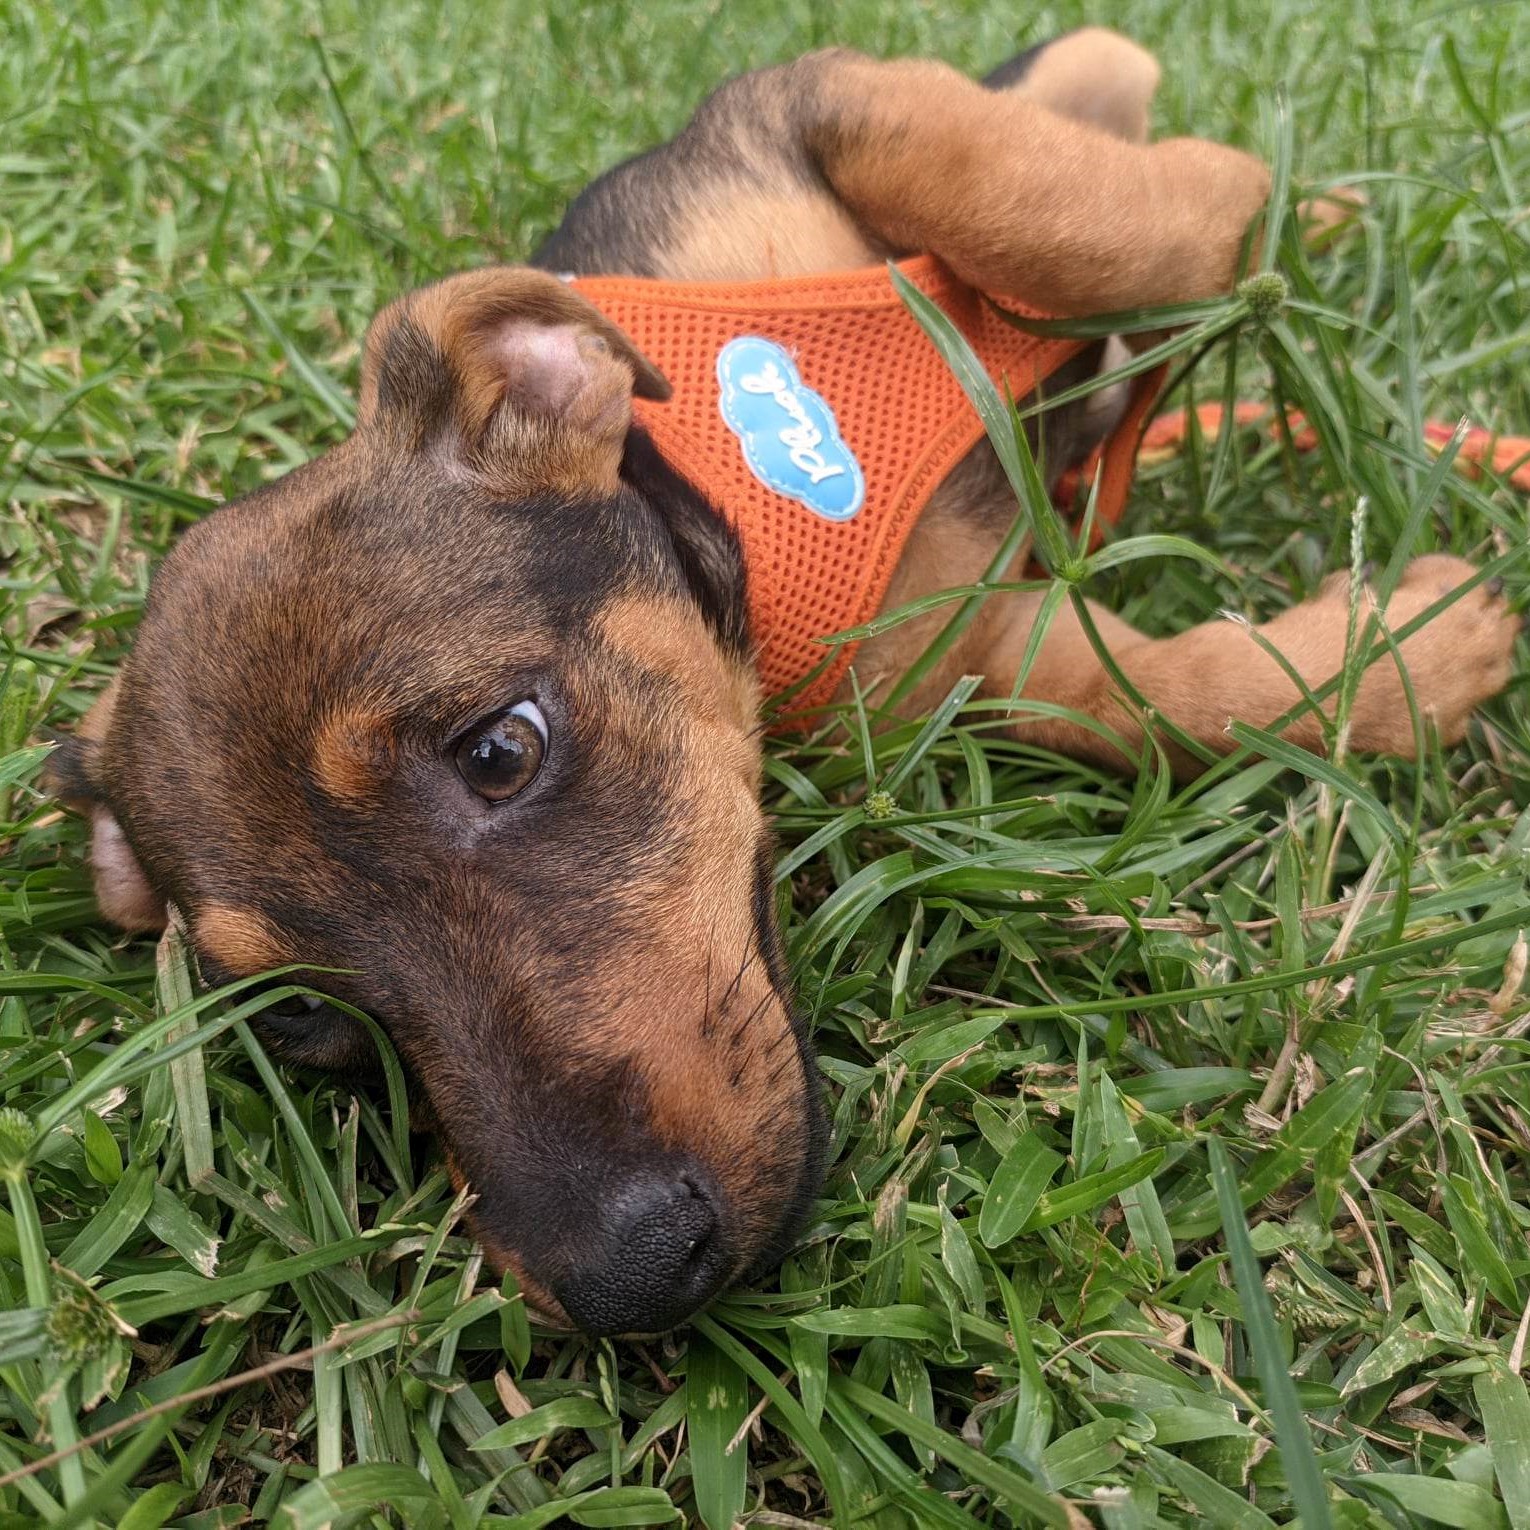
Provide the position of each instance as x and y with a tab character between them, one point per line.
465	707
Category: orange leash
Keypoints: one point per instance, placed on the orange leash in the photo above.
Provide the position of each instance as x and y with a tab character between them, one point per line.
1507	457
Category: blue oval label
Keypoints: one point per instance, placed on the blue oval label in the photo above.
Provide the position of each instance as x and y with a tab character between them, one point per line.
788	434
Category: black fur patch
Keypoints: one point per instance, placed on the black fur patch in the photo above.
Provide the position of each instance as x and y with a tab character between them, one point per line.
745	133
1015	69
413	377
710	554
69	772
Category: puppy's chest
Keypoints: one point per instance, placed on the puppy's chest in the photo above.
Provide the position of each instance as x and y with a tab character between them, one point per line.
816	415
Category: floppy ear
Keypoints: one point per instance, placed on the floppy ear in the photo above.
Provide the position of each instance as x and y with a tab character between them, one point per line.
511	376
123	893
72	774
709	551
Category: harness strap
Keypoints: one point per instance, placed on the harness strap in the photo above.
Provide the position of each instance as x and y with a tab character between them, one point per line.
816	415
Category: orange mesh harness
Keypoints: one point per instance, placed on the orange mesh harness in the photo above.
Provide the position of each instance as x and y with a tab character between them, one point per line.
818	417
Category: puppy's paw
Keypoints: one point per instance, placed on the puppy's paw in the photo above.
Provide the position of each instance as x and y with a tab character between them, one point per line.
1457	661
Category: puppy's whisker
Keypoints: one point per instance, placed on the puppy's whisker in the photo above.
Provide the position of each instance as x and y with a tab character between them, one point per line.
754	1014
732	990
775	1042
707	1017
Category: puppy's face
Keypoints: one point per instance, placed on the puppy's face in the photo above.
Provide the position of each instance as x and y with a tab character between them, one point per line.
465	708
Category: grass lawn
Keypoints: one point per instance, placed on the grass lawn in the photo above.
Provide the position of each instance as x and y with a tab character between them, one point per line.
1180	1134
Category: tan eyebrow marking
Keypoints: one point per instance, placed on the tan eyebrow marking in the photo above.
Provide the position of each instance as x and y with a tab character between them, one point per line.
240	940
354	754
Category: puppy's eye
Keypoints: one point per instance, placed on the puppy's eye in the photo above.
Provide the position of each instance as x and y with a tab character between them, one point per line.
296	1006
502	756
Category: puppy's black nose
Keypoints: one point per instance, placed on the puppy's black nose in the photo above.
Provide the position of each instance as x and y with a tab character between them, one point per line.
656	1259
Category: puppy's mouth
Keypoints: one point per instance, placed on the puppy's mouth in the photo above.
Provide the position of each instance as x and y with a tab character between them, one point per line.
543	1308
794	1218
541	1305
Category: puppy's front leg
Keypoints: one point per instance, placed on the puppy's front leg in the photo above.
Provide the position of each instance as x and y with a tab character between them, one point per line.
1016	198
1216	673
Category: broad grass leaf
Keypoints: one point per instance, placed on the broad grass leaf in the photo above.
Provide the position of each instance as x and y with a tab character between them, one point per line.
608	1508
175	1224
1004	1481
918	1324
23	1334
157	1506
960	1262
1462	1505
1505	1408
1293	1146
1092	1191
1218	1505
805	1431
115	1222
1401	1348
1084	1454
1479	1249
1016	1187
551	1418
1182	1425
373	1486
103	1158
719	1400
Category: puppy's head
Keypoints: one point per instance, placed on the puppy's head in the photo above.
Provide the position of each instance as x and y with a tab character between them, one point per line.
465	708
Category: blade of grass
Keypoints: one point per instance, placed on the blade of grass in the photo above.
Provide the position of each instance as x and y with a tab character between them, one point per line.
1297	1455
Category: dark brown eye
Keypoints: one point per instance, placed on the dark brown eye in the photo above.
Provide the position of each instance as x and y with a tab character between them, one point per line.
503	755
297	1006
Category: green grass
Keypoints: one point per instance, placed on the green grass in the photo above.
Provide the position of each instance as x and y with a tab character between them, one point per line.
1180	1134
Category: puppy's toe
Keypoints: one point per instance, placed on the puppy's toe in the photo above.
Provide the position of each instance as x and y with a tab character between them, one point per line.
1436	573
1465	655
1488	626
